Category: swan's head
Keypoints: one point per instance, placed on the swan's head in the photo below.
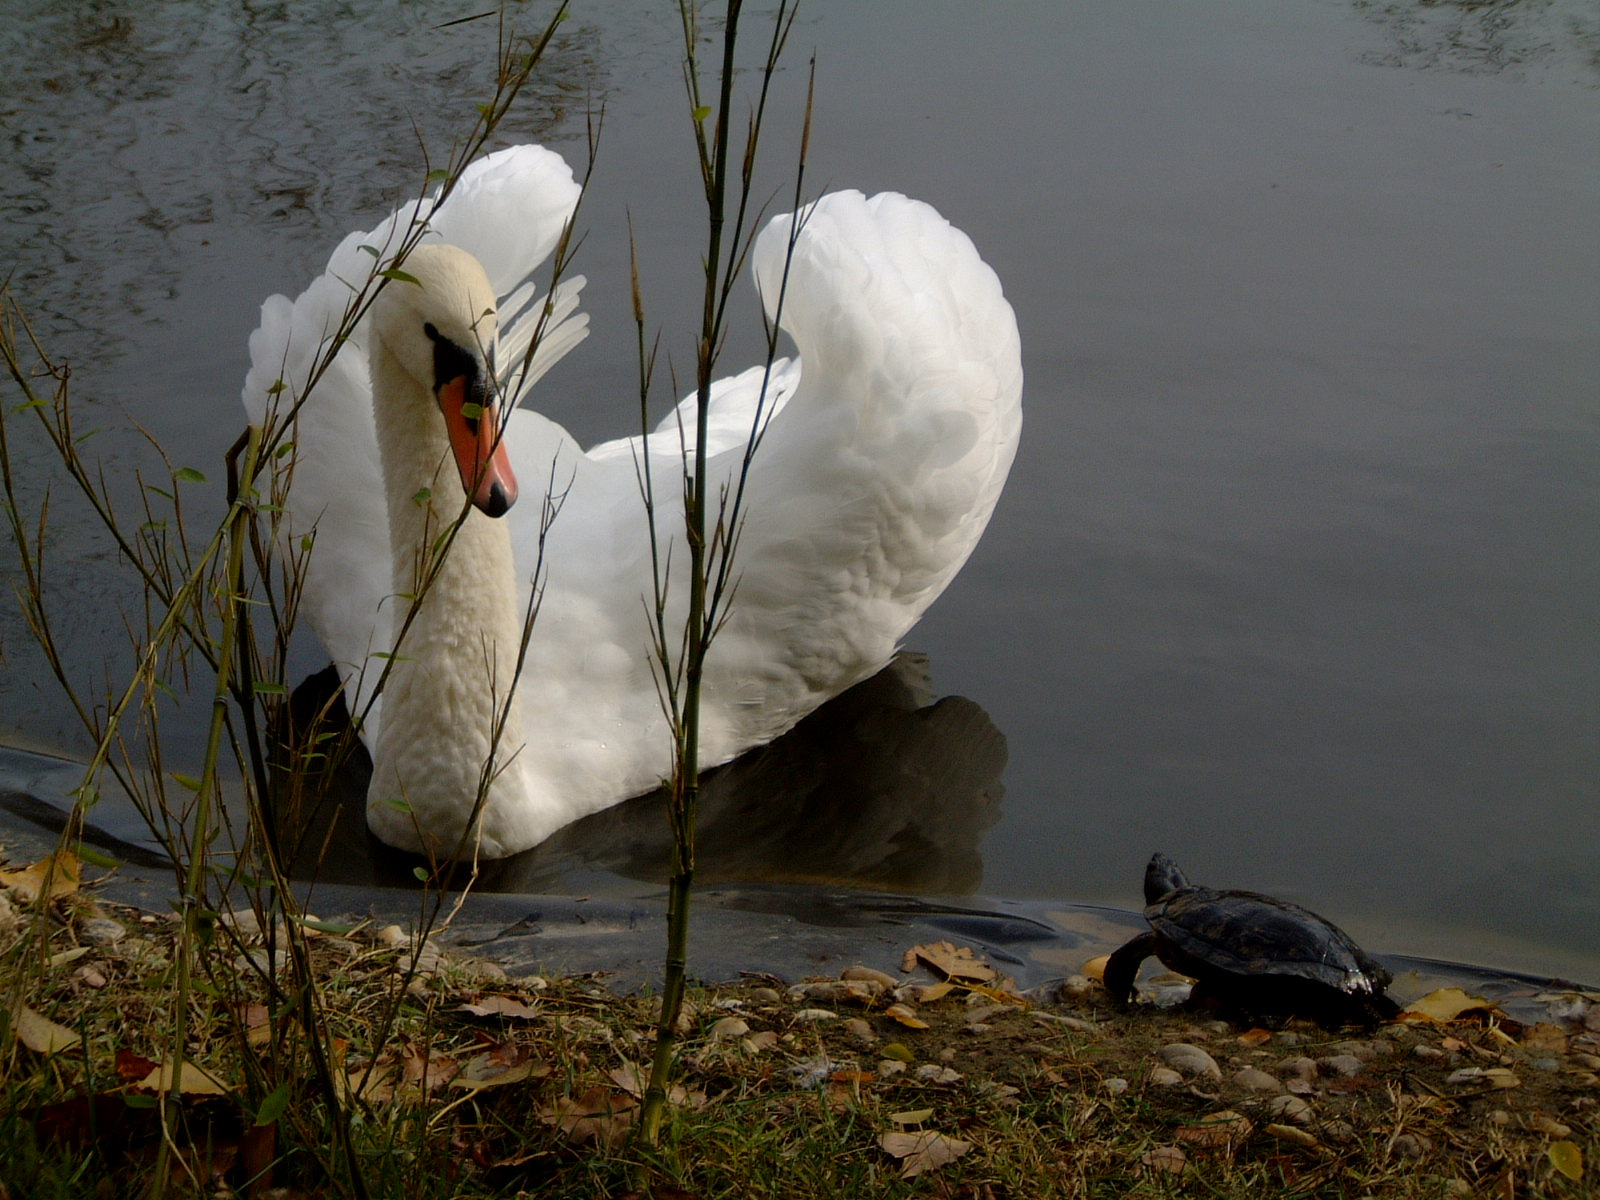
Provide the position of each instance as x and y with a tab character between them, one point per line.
437	317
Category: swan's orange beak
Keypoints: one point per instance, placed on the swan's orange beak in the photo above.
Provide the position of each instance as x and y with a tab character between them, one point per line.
472	416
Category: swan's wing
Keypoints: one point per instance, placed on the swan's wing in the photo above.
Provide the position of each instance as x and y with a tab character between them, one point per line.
877	478
740	406
509	209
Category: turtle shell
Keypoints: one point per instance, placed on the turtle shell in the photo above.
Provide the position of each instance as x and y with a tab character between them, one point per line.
1206	932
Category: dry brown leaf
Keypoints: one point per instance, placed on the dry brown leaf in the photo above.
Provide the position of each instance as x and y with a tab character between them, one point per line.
1255	1037
1219	1129
598	1115
934	991
924	1151
427	1072
955	963
39	1033
500	1006
192	1080
55	874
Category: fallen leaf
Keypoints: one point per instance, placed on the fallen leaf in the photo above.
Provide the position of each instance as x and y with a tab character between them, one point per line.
1445	1004
192	1080
39	1033
924	1151
598	1115
934	991
1255	1037
53	875
955	963
898	1052
1567	1158
1219	1129
500	1006
914	1117
905	1016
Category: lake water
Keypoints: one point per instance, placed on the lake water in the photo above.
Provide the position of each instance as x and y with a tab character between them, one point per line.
1296	575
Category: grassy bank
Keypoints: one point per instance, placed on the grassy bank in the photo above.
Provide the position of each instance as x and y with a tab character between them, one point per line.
923	1077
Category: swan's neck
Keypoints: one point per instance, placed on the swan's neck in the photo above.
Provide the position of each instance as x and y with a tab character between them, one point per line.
449	705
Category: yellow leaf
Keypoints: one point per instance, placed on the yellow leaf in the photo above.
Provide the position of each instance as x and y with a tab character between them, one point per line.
915	1117
1445	1004
53	875
898	1052
1566	1158
905	1016
40	1034
1095	968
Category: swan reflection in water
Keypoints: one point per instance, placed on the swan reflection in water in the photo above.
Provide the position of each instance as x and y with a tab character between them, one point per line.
881	787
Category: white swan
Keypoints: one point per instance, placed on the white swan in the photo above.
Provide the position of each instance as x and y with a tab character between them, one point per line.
878	471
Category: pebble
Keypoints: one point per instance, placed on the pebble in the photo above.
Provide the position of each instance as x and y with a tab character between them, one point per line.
812	1016
1252	1079
860	1030
1410	1146
1300	1068
89	977
1190	1060
1340	1064
934	1073
729	1027
869	975
888	1067
1290	1108
1428	1053
1076	1024
1341	1132
1165	1077
1364	1051
765	995
102	931
1117	1086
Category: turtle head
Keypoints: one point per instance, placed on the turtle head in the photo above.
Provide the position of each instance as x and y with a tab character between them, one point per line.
1161	878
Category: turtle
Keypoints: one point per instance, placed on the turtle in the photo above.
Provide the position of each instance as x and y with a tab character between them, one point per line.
1250	954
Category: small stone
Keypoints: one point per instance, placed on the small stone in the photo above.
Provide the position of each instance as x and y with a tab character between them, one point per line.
1164	1077
89	976
1076	1024
1500	1117
860	1030
813	1016
934	1073
1544	1123
1428	1053
869	975
729	1027
1410	1146
1301	1087
1340	1132
1299	1068
1289	1108
1288	1037
102	931
888	1067
1252	1079
1363	1051
1170	1159
765	995
1190	1060
1340	1064
1117	1086
988	1012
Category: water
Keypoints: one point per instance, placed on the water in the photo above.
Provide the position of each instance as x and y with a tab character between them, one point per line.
1295	578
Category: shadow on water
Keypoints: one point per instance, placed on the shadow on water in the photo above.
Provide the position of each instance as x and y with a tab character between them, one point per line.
882	787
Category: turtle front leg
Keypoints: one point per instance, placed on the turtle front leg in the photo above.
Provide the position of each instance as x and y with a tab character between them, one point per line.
1123	967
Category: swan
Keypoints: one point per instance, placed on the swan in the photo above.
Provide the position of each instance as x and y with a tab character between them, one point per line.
885	444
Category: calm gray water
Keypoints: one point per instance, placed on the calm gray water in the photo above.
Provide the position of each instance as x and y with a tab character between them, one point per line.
1295	577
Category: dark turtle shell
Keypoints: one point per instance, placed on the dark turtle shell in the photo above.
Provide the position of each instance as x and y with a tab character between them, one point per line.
1251	953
